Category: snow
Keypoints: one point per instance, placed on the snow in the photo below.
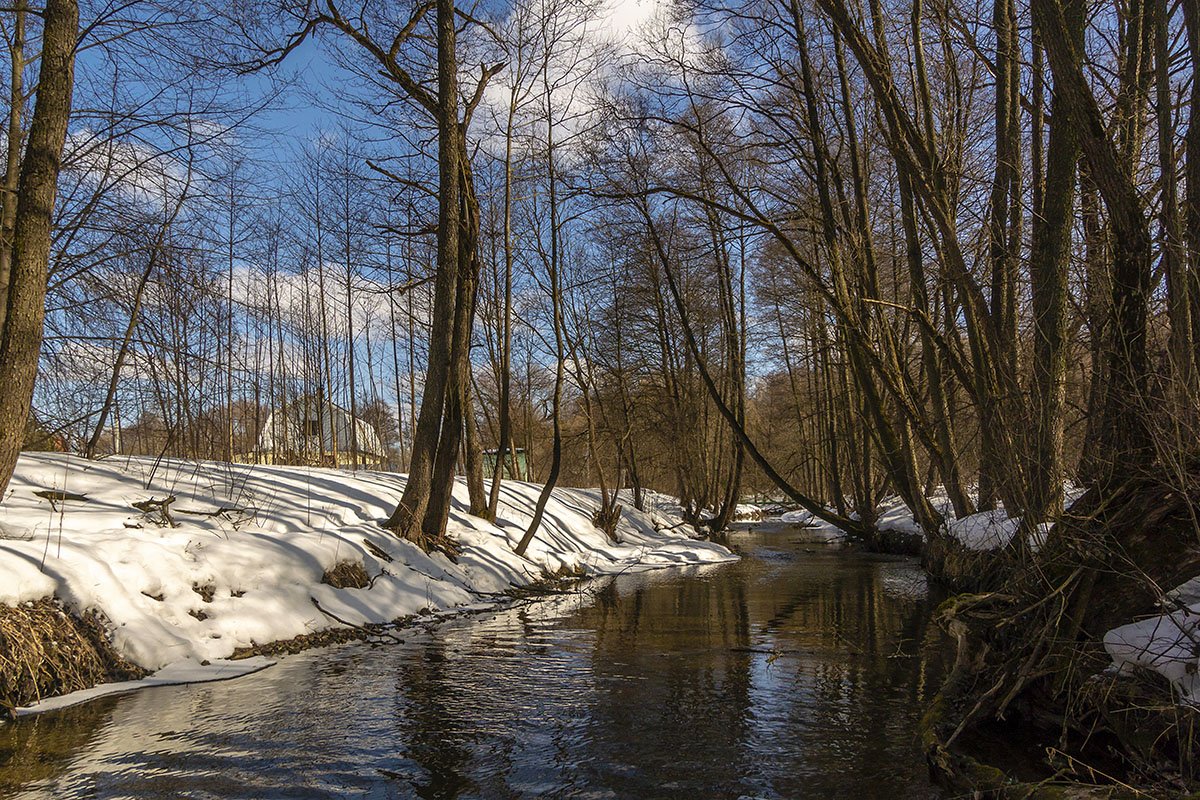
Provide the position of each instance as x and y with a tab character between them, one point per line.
982	531
182	672
1168	644
744	512
668	511
257	540
986	530
1185	594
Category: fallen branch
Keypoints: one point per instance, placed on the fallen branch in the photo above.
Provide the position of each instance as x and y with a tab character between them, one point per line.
370	630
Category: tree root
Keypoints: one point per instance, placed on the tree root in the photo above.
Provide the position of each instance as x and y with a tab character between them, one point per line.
1029	656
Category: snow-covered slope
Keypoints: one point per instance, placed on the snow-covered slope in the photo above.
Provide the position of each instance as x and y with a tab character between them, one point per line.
244	563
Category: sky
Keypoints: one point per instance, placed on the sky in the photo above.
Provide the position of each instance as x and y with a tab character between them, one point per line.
303	112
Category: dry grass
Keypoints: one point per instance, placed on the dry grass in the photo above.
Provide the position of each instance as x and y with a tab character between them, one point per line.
347	575
46	651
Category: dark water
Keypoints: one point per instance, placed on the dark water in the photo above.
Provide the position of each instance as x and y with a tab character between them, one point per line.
798	672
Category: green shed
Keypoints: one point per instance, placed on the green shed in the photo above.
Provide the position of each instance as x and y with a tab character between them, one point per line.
521	471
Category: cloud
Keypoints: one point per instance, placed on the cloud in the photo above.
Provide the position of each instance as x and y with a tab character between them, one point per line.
141	174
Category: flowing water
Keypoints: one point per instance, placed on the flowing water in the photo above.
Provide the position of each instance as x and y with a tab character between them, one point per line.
800	671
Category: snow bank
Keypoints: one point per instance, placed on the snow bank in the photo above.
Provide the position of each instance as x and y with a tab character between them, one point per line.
668	511
182	672
1168	644
245	561
985	530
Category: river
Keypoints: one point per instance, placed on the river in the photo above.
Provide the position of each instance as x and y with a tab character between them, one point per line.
799	672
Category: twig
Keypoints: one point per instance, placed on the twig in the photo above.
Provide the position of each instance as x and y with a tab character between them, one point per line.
370	631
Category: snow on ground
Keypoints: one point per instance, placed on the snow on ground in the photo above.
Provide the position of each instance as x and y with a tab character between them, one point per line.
244	564
985	530
181	672
1168	644
669	512
745	512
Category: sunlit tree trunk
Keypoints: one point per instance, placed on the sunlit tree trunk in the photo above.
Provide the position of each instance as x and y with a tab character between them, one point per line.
21	338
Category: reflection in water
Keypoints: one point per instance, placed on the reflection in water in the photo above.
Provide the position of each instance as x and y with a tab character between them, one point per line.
793	673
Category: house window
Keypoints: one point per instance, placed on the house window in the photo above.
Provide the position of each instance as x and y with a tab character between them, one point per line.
312	427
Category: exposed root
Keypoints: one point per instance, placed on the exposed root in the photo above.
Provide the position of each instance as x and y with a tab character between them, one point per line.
1031	657
297	644
437	544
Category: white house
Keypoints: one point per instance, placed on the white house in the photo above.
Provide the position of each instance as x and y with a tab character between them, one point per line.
311	431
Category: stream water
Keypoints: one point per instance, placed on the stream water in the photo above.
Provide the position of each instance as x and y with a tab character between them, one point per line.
800	671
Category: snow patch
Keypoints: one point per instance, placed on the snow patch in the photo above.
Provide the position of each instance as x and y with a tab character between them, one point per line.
183	672
986	530
1168	644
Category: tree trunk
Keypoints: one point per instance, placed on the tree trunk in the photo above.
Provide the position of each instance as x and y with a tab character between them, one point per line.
410	513
1123	432
557	322
1048	267
21	339
504	411
14	140
1190	271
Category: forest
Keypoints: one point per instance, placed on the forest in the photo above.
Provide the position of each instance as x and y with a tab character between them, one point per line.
840	256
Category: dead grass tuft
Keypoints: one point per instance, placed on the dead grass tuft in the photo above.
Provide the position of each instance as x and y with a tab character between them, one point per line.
347	575
46	651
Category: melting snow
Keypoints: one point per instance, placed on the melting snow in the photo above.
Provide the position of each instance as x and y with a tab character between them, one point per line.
244	563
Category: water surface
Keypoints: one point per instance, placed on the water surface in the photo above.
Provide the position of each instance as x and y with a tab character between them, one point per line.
796	672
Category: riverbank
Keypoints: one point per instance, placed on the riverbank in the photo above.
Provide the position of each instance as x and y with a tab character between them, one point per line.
247	555
1084	650
796	671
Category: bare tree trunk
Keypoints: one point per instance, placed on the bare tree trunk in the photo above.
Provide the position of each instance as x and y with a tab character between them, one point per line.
410	513
1048	269
1174	253
473	455
504	411
156	250
325	388
1004	237
21	338
14	140
801	499
1191	16
229	446
552	267
350	355
1123	432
